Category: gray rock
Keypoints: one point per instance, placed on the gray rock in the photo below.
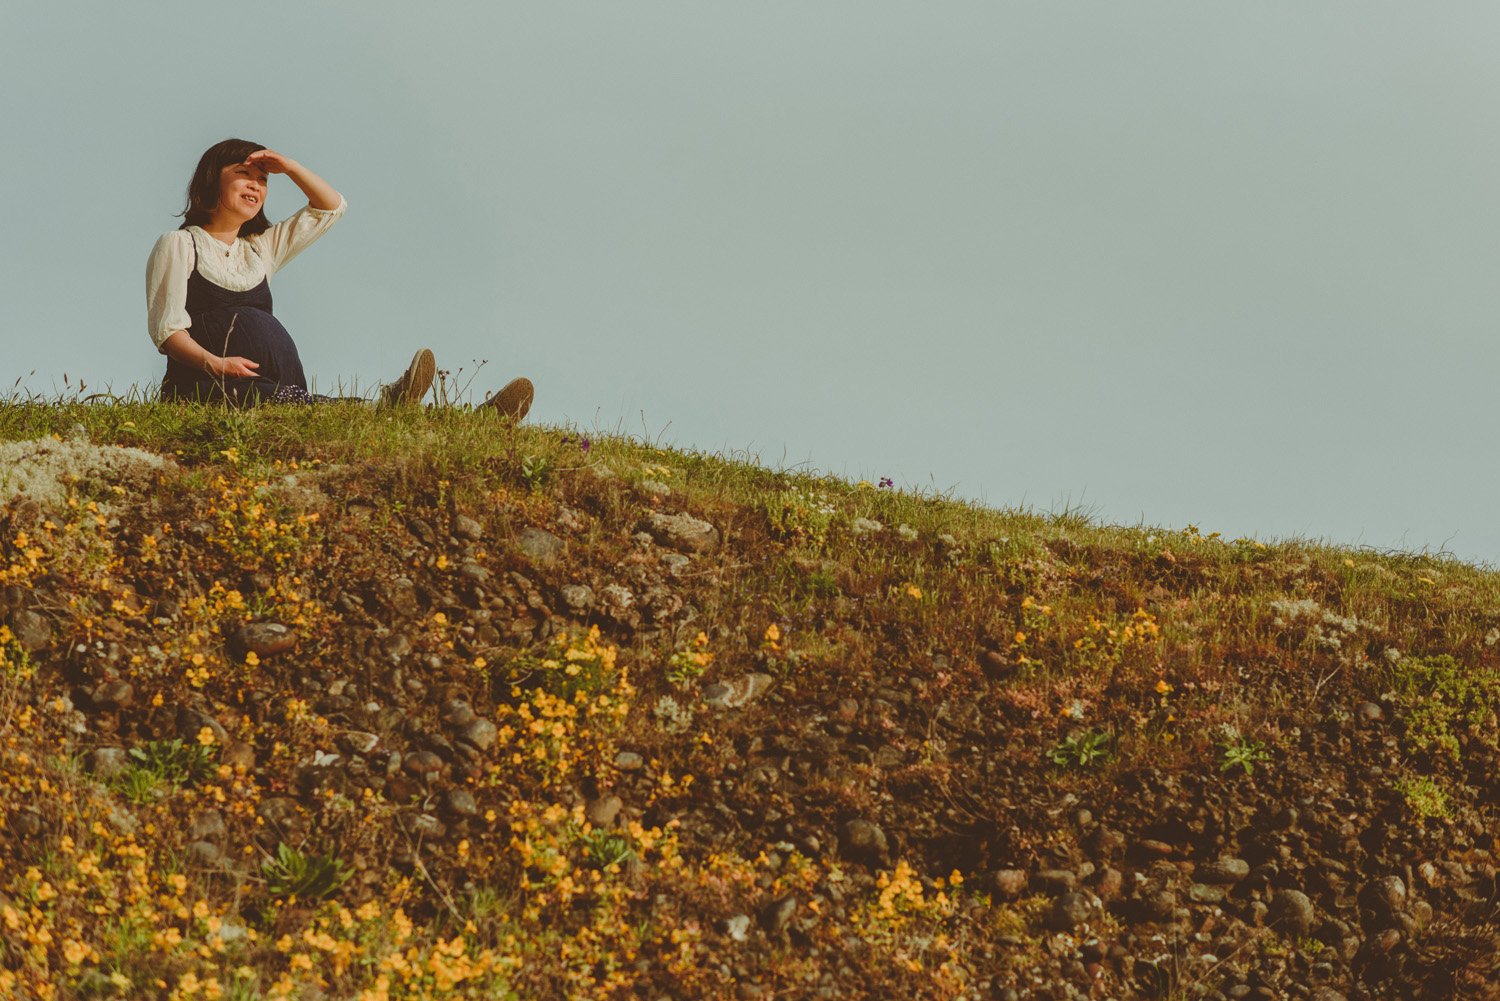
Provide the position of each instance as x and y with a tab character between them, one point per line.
204	854
1226	871
113	695
862	840
401	595
1160	906
629	761
107	761
577	596
1325	994
777	914
738	692
737	927
1010	882
190	723
425	825
682	532
237	754
540	546
603	812
1369	712
31	631
1291	913
421	763
423	531
357	742
676	563
24	823
464	527
1069	911
479	733
208	826
461	803
264	639
1205	893
1055	881
617	597
456	713
474	573
282	812
888	757
1384	896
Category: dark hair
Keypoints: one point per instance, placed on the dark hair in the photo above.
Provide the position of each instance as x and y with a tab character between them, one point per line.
203	189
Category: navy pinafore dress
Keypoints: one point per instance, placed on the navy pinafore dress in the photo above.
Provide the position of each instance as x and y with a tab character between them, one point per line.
230	324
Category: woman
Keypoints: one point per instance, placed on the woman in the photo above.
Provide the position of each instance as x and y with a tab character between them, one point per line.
208	289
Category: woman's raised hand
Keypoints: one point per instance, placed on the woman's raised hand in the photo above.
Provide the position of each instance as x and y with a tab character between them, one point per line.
271	161
233	367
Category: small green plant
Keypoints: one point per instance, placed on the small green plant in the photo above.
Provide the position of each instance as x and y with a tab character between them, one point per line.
15	662
165	762
1081	749
602	849
535	470
1444	699
687	666
800	517
1425	797
1242	752
294	874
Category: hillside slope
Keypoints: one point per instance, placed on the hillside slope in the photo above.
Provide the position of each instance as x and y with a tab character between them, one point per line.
331	704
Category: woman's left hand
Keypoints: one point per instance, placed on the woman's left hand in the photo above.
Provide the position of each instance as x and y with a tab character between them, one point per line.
271	162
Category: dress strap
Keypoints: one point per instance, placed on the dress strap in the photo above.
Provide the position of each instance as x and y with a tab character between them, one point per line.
194	242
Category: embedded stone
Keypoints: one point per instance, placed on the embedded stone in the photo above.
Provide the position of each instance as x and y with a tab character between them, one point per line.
1069	911
1291	912
577	596
861	839
1225	871
464	527
107	761
1010	882
682	531
264	639
738	692
422	763
207	826
30	630
113	695
456	712
603	812
777	914
480	733
540	546
461	803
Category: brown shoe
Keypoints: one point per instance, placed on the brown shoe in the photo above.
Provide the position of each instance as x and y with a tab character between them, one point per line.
414	383
514	400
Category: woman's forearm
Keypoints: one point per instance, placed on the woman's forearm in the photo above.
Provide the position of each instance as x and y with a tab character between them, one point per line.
181	348
320	194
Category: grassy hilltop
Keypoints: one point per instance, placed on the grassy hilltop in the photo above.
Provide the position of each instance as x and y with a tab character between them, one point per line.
329	703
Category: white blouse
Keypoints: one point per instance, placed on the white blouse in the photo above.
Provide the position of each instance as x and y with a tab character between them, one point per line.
239	266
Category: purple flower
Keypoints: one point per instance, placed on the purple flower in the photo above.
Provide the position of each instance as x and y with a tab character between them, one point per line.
583	443
886	483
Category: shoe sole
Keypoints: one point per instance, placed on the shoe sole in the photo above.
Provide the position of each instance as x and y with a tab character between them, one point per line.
417	379
514	400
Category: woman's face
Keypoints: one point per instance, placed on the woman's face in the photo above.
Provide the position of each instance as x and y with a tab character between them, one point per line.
242	192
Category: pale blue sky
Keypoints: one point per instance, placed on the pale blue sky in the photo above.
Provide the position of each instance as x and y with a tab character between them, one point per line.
1232	265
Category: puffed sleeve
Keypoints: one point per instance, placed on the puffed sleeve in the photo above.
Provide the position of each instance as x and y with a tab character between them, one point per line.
167	272
294	234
